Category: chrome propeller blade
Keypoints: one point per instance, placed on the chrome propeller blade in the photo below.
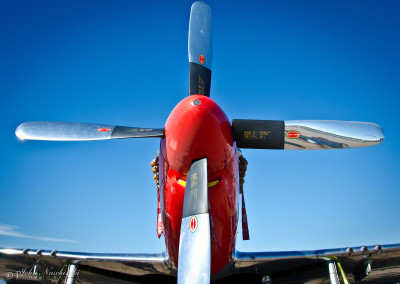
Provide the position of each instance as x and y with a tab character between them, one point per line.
200	49
194	261
326	134
305	134
75	131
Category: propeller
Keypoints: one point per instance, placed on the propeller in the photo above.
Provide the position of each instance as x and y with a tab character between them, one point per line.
194	261
200	62
195	243
200	49
305	134
75	131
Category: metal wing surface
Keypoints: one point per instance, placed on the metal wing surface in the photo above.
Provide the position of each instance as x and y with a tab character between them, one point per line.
51	266
369	264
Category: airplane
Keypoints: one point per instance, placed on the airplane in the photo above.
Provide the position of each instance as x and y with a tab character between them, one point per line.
199	150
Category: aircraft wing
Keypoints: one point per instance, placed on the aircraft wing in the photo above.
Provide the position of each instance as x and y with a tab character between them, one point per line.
372	264
52	266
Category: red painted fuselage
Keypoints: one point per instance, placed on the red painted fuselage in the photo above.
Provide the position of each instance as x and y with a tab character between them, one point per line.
198	128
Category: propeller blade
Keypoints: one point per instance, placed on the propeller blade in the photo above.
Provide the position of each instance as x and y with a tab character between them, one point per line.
305	134
194	261
200	49
75	131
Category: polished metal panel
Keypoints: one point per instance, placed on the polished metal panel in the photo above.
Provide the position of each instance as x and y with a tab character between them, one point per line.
330	134
200	34
194	263
138	264
63	131
385	260
333	275
242	258
71	274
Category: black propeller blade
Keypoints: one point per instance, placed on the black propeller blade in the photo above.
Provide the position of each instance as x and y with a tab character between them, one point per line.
200	49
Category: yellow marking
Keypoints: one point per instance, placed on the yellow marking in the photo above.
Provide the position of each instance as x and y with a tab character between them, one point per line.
250	135
193	185
342	273
193	180
210	184
246	134
202	84
264	134
193	192
255	135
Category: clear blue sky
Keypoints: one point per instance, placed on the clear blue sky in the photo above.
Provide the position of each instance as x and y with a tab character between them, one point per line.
125	63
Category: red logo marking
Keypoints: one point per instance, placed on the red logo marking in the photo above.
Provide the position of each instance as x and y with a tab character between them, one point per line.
202	59
293	134
193	224
103	129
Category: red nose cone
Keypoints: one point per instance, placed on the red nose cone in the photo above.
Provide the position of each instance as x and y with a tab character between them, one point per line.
198	128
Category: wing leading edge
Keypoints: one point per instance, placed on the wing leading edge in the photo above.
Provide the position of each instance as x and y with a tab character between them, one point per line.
373	264
93	267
